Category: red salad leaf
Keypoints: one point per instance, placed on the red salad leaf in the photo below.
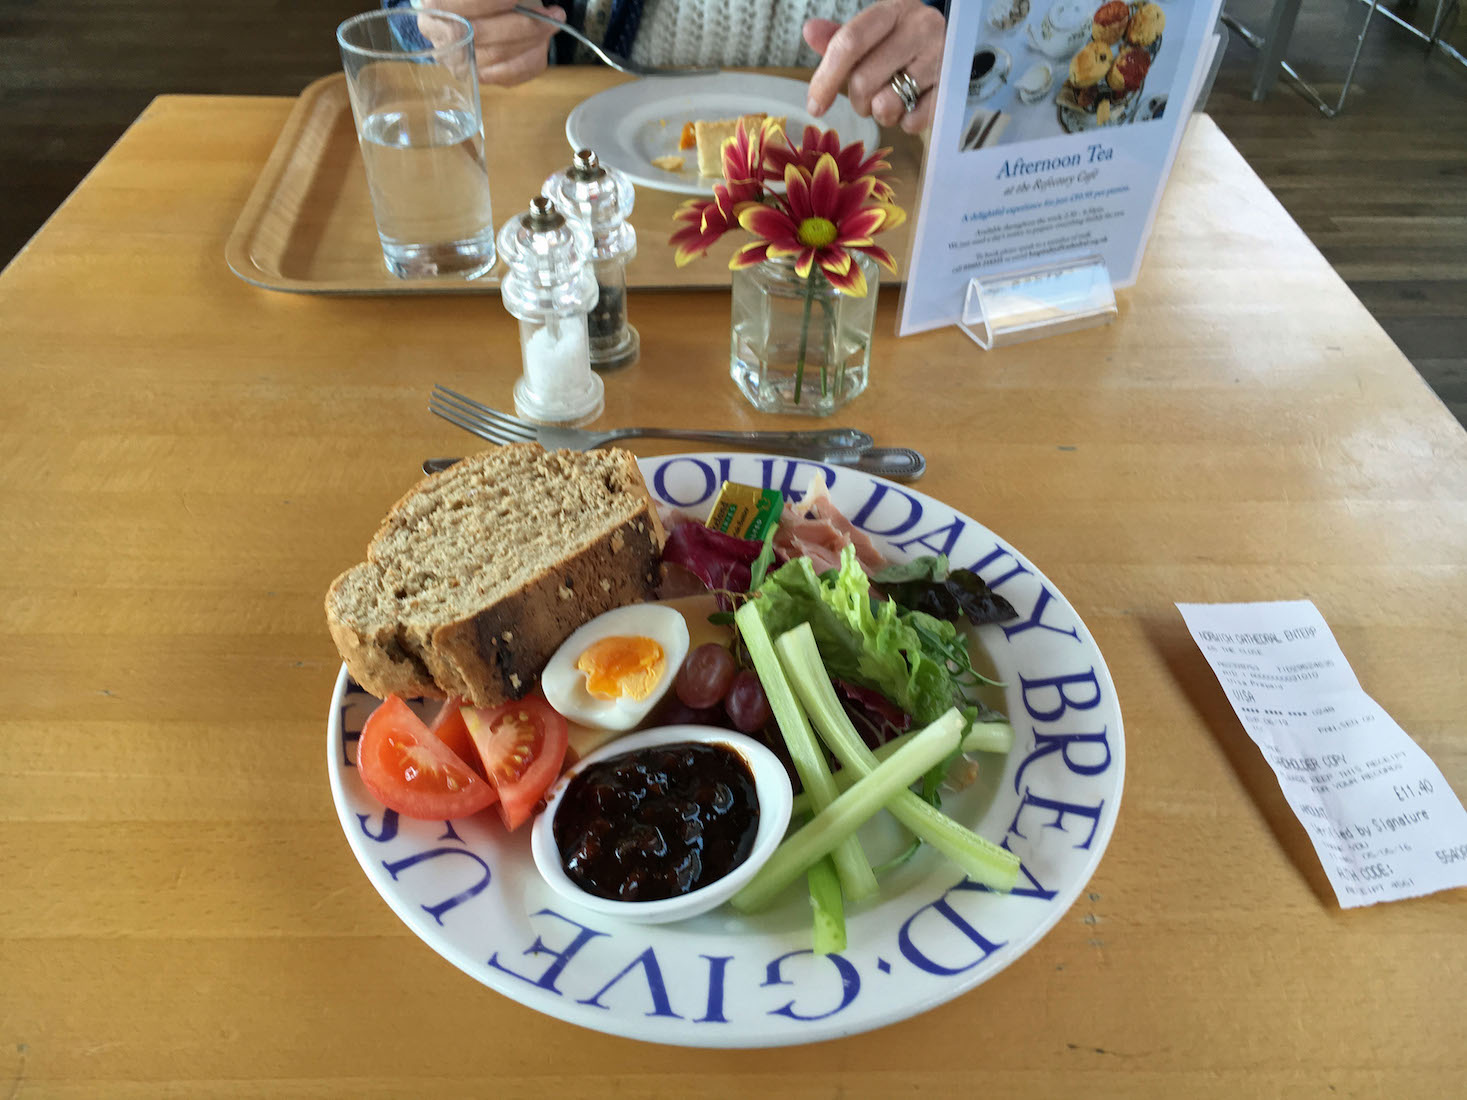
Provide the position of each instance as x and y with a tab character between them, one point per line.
720	561
876	718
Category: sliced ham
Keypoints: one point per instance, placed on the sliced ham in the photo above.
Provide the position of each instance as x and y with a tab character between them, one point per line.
815	529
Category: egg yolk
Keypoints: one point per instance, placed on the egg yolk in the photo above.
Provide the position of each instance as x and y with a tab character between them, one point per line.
621	668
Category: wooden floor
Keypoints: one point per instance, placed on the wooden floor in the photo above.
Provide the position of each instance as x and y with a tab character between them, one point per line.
1382	190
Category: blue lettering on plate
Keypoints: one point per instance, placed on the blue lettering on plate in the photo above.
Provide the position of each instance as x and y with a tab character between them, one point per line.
997	554
953	531
647	960
907	944
449	833
437	911
711	480
1036	618
717	964
1034	889
850	985
1058	684
791	470
351	731
862	518
1061	810
1063	743
389	826
562	957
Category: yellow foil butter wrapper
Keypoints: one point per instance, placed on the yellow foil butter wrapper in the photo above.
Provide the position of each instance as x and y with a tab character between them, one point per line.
744	511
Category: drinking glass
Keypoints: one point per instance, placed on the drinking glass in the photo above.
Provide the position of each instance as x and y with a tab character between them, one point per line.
415	96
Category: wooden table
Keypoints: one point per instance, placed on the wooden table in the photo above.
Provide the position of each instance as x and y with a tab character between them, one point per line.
189	460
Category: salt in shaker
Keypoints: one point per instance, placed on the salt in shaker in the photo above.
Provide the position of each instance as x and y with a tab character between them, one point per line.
601	198
550	288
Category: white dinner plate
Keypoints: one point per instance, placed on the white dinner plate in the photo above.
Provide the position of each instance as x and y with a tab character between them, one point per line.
471	892
630	124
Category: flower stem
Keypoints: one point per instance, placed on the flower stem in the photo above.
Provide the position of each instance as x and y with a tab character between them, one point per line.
805	334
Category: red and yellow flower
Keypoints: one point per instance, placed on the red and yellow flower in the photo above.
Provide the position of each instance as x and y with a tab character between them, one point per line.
703	221
851	161
820	222
834	203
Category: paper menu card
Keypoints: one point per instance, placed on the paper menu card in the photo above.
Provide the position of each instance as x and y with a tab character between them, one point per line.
1035	153
1384	822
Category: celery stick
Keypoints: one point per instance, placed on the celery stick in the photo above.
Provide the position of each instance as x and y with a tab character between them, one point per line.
825	900
846	776
981	860
989	737
981	737
857	880
850	811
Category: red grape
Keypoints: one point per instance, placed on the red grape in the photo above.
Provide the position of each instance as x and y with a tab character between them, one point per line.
674	712
705	676
747	705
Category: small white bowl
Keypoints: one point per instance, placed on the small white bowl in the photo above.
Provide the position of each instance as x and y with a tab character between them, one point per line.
771	788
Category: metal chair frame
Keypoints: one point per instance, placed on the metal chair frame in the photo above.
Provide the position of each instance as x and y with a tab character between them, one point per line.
1274	40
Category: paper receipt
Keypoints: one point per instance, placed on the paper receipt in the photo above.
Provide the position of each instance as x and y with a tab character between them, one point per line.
1383	820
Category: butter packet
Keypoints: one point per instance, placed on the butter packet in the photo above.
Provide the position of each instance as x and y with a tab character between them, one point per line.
744	511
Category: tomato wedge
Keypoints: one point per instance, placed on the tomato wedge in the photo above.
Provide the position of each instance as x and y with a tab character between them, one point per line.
449	727
412	772
521	747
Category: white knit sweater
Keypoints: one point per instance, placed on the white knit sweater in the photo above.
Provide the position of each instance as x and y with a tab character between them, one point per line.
724	32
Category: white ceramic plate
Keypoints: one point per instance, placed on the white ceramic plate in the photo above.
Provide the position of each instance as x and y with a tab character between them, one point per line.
471	892
630	124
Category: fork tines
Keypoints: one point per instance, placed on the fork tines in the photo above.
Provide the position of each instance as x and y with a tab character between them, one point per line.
486	423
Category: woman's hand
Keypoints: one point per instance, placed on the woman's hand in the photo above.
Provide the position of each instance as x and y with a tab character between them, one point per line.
508	48
864	54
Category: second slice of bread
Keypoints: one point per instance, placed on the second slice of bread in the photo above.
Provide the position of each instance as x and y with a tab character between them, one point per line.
480	572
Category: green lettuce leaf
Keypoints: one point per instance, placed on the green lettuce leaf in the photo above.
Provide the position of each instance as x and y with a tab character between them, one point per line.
876	644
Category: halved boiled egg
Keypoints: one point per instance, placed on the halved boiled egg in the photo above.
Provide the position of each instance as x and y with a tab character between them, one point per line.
611	672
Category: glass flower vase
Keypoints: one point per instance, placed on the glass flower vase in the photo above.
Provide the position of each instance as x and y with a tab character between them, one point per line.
798	345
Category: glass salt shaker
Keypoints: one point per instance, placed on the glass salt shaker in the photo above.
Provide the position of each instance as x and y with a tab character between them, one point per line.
550	288
601	198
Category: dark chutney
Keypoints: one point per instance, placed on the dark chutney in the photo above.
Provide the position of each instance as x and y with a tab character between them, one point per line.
657	823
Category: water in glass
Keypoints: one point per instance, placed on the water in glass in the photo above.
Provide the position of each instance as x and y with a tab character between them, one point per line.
430	190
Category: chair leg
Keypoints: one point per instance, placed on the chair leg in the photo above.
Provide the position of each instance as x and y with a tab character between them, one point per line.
1445	9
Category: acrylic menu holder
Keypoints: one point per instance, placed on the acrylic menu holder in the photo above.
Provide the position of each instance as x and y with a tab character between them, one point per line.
1014	306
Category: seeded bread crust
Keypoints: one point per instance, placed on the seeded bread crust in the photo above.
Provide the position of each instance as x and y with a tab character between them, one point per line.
453	625
505	647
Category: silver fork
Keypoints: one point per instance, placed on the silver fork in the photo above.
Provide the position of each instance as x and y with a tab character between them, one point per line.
498	427
616	61
897	463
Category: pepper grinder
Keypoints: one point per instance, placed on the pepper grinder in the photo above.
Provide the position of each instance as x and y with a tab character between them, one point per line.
601	198
550	288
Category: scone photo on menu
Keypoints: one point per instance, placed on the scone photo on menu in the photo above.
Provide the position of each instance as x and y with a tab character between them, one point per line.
478	573
1107	74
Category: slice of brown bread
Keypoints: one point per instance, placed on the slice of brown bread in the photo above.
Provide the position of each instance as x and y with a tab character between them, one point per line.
481	571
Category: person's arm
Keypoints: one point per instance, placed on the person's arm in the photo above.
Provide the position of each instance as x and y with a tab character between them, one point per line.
862	55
